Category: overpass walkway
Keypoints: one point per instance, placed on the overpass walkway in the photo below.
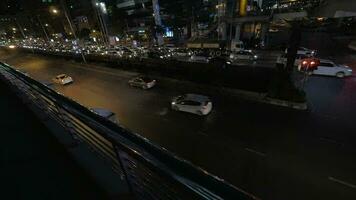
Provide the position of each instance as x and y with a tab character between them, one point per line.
33	165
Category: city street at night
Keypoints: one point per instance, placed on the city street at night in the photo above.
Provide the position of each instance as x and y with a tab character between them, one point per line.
183	99
271	152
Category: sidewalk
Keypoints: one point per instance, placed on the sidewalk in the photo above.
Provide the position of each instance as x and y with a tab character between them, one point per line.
32	164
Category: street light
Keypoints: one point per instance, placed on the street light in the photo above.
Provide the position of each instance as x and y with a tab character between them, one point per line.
55	11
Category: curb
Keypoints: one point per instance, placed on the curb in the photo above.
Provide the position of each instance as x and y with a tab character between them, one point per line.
289	104
262	98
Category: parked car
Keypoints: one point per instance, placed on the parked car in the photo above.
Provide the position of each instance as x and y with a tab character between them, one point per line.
154	55
221	61
158	55
329	68
182	53
192	103
243	55
282	59
143	82
63	79
304	51
200	57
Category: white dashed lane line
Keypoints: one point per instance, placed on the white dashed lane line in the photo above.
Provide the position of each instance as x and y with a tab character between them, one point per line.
331	141
255	152
342	182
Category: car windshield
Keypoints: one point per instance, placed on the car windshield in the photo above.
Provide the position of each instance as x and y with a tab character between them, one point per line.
146	79
180	98
217	99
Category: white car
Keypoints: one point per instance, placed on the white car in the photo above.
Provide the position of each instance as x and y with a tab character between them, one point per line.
282	59
142	82
182	53
304	51
200	57
192	103
63	79
243	55
329	68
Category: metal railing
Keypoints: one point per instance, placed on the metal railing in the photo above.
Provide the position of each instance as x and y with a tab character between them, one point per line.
150	171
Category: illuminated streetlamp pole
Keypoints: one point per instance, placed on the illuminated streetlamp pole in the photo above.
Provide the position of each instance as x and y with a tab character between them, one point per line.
99	13
43	28
54	11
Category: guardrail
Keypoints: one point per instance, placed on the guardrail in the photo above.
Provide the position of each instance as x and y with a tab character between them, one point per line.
150	171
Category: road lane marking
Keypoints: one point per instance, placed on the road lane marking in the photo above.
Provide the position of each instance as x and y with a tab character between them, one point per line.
331	141
342	182
202	133
255	152
117	74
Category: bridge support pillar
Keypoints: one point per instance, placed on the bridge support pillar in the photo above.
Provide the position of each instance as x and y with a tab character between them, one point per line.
238	31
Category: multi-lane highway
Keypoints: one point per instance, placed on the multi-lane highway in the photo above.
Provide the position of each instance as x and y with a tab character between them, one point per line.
268	151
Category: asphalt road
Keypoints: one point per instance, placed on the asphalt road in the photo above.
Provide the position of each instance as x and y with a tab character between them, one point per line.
271	152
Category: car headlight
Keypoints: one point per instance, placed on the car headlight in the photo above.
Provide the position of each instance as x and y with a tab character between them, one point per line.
173	103
255	56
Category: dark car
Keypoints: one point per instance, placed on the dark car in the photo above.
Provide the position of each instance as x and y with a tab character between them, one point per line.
155	55
221	61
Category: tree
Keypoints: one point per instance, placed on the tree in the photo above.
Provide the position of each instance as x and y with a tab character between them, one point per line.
282	86
293	45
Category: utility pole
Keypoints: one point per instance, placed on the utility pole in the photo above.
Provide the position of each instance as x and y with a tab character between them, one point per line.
22	32
20	28
44	30
103	28
71	28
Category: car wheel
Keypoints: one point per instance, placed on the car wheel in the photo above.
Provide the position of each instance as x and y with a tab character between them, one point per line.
144	87
200	113
340	75
176	108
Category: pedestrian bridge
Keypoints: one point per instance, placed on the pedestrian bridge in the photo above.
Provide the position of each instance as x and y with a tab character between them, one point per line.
55	148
